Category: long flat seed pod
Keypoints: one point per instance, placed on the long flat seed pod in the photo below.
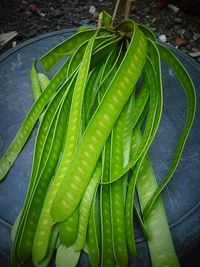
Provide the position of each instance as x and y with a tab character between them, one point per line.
107	252
67	47
93	232
23	242
35	84
66	257
189	89
103	51
155	86
160	242
70	145
109	69
51	247
150	127
117	194
24	131
92	85
84	208
68	230
43	81
99	129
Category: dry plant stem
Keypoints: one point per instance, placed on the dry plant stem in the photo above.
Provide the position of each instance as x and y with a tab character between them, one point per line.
127	10
100	20
115	12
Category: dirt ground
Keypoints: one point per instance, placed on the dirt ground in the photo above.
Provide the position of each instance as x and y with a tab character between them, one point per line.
31	18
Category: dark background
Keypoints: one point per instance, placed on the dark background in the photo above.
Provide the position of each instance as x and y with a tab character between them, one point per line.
31	18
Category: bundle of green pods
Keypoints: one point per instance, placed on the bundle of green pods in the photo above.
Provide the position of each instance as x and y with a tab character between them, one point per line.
98	117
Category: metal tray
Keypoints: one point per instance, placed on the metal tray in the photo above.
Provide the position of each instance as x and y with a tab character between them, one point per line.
182	195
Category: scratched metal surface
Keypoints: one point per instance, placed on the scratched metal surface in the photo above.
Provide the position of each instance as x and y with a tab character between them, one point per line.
182	196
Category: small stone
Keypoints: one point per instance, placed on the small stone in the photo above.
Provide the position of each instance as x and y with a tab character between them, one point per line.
194	49
59	21
92	10
173	8
196	36
182	31
162	38
146	9
14	43
28	13
188	46
76	22
76	10
176	27
195	54
56	13
85	7
178	20
187	35
69	14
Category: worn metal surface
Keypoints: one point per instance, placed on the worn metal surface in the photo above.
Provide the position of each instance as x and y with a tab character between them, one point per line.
182	195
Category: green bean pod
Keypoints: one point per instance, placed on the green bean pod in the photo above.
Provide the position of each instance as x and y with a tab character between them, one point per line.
29	194
148	33
141	102
91	87
67	47
154	87
45	135
24	131
93	232
140	221
127	132
160	242
84	208
45	222
66	257
189	89
35	84
107	73
91	144
51	247
27	227
138	109
152	123
76	58
103	51
107	40
117	193
107	252
150	128
43	81
68	230
98	115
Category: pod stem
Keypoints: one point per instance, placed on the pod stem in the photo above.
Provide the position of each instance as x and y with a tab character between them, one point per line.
127	9
115	12
100	20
